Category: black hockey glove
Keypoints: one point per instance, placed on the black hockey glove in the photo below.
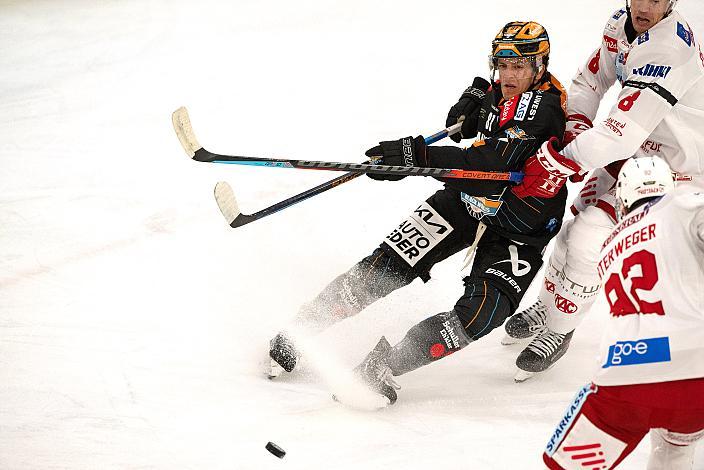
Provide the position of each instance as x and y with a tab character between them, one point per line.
468	106
403	152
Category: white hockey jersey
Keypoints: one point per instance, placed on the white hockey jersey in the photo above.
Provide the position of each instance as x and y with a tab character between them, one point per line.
660	109
652	270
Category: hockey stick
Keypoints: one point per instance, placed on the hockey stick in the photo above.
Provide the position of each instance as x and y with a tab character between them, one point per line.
225	196
184	131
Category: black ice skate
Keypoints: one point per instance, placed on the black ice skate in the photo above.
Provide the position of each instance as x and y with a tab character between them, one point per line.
541	353
283	354
376	373
525	324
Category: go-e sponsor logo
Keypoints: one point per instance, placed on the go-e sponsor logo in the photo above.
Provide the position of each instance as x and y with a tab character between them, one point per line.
642	351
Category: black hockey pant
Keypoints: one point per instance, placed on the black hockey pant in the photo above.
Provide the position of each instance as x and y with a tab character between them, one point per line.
440	227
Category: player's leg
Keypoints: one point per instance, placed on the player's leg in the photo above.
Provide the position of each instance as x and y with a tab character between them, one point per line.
597	431
502	271
594	193
677	421
435	337
372	278
425	237
671	450
569	289
570	275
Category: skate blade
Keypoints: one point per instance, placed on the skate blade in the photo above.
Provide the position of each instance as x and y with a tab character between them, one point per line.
508	340
523	375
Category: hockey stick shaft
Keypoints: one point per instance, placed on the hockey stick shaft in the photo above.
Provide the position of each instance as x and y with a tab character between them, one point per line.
203	155
184	131
243	219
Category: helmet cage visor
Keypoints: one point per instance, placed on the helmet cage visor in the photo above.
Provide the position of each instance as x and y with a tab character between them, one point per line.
535	63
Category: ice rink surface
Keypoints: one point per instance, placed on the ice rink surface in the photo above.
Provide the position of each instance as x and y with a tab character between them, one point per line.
134	321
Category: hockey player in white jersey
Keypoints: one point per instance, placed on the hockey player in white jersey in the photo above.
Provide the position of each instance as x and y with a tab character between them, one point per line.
650	375
655	56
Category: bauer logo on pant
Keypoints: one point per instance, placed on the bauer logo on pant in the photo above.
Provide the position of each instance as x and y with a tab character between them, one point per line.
418	234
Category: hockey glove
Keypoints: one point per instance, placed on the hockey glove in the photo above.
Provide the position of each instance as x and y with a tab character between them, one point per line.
467	110
403	152
545	173
576	124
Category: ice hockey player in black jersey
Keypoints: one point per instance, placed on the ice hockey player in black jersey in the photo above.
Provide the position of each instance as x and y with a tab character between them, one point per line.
510	118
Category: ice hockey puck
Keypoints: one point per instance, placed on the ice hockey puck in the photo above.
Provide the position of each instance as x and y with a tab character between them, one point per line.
276	450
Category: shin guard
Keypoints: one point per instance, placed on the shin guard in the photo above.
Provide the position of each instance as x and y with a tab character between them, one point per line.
428	341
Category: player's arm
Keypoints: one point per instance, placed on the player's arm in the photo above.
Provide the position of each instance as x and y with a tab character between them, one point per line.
645	100
483	155
647	97
520	134
593	80
590	84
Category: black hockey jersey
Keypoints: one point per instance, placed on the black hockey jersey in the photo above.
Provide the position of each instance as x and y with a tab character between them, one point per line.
509	132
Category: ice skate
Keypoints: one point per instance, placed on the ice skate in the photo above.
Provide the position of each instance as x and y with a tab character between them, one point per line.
376	374
541	354
525	324
283	354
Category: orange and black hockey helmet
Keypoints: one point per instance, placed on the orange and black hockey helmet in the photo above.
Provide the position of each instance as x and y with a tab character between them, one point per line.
526	39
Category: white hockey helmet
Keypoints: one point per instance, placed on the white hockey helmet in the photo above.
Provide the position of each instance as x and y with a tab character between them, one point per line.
641	178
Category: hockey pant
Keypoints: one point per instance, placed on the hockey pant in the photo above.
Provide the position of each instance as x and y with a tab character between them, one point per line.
440	227
605	424
571	282
501	273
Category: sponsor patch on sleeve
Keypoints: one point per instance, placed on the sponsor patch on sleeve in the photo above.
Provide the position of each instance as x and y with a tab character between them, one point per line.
418	234
653	70
685	34
611	43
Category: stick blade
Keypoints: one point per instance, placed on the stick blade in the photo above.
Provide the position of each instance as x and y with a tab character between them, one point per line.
184	131
225	197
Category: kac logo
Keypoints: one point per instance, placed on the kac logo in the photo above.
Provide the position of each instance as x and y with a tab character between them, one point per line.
642	351
565	305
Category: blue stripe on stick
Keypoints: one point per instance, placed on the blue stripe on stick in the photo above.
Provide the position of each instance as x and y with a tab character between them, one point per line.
256	163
